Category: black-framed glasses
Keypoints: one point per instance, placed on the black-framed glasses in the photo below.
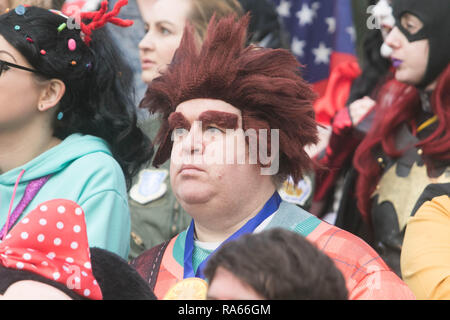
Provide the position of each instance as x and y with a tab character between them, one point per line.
5	64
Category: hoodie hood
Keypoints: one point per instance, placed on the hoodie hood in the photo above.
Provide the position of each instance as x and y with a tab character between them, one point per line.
56	159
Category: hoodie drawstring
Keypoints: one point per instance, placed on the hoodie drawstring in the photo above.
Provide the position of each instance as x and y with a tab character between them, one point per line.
11	203
31	190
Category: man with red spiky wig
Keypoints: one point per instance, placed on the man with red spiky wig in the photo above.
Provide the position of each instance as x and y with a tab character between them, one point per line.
235	121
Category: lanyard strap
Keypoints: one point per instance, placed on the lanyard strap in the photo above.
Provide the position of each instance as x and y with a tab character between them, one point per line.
31	190
269	208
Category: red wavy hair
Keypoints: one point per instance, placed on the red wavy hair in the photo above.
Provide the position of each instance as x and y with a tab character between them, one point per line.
265	84
399	104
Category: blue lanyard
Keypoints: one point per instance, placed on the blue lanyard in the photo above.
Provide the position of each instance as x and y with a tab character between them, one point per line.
269	208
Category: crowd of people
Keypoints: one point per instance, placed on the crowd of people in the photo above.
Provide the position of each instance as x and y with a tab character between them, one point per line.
149	158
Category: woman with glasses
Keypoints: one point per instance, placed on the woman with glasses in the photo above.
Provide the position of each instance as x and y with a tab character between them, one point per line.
67	122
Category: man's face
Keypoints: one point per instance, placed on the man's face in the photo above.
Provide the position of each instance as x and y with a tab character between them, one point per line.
209	159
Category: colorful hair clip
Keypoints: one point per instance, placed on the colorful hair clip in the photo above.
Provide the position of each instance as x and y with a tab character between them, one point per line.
20	10
89	66
17	27
73	62
61	27
72	45
58	12
60	115
30	40
43	52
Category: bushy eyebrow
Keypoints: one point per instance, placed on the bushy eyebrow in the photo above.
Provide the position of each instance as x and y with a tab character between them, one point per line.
224	120
178	120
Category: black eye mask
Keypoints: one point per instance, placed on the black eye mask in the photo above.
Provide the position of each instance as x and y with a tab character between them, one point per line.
435	16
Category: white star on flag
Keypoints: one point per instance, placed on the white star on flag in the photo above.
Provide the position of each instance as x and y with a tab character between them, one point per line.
315	6
322	54
305	15
351	31
298	46
331	22
284	9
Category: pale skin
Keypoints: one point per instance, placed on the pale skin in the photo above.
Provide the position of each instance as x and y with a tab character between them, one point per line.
359	108
221	198
165	21
25	119
226	286
33	290
3	5
413	55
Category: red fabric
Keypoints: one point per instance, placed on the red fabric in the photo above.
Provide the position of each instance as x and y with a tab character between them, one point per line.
399	104
338	151
367	276
68	6
100	18
337	91
52	241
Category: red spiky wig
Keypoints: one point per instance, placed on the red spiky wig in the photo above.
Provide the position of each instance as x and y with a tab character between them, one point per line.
400	104
265	84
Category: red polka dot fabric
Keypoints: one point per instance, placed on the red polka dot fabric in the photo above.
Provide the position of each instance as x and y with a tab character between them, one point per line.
52	241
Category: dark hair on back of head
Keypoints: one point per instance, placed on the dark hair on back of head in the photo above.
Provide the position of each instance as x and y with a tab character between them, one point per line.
280	264
98	97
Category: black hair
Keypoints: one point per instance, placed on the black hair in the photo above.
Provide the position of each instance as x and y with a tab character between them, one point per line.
374	67
266	27
280	264
98	99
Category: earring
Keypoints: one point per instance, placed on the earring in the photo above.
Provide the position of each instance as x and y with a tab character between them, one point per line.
60	115
41	107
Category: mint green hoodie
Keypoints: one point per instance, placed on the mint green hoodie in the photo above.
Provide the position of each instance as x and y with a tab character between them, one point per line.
83	170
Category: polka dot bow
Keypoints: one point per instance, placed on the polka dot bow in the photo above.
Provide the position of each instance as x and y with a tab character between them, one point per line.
52	241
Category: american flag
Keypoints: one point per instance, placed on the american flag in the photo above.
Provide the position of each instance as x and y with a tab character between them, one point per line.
322	35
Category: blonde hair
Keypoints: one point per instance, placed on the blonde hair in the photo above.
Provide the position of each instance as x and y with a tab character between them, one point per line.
203	10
